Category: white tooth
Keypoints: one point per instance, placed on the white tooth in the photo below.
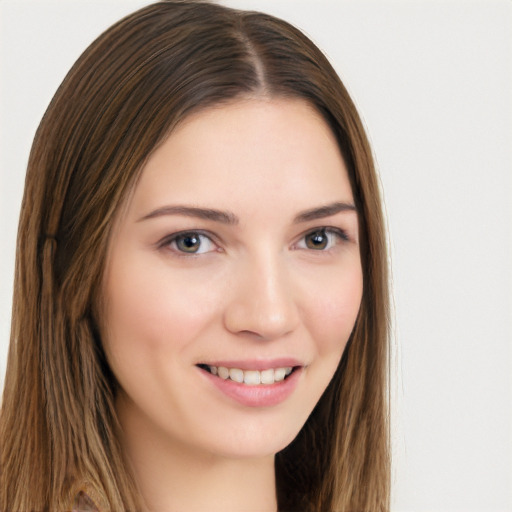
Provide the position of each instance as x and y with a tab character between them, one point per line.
288	370
222	372
279	374
252	377
213	370
236	374
267	376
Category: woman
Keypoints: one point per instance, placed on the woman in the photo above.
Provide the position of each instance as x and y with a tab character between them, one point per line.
200	311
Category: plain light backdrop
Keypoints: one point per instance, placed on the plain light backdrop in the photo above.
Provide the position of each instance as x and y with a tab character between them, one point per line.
433	82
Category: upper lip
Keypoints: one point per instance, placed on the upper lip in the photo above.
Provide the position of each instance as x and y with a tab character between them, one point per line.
256	364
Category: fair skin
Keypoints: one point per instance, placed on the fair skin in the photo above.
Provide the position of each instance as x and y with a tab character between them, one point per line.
264	279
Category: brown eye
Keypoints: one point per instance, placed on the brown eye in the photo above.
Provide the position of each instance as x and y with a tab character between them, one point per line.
323	239
191	243
188	243
317	240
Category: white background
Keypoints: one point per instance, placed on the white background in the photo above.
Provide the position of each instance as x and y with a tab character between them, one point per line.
433	81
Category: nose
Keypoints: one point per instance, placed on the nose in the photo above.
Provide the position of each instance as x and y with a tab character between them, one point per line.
262	303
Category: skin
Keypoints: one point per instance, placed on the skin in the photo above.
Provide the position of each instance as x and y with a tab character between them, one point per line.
256	289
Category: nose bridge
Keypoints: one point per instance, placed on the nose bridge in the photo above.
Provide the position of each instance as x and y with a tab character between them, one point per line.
263	302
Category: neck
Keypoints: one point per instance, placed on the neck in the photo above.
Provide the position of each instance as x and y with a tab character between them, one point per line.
173	476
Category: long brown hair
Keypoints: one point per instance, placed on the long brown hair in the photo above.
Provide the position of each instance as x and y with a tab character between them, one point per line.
124	95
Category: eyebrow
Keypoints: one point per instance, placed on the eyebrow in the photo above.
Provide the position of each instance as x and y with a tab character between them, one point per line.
192	211
324	211
226	217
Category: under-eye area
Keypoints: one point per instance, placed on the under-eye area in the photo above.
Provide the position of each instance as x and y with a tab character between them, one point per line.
251	377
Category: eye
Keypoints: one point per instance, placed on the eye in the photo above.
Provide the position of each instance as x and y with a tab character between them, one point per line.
191	242
322	239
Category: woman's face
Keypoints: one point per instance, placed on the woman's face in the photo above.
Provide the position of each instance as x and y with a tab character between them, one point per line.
237	255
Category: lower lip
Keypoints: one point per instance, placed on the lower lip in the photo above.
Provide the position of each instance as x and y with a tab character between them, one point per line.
262	395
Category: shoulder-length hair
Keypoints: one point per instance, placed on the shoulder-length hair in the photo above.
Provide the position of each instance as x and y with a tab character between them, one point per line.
121	99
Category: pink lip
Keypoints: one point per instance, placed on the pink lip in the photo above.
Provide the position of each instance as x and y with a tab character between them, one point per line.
257	364
263	395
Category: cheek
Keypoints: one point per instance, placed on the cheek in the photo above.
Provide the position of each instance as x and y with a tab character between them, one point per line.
329	312
333	310
151	310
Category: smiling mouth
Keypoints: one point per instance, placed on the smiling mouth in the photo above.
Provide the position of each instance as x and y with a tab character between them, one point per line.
251	377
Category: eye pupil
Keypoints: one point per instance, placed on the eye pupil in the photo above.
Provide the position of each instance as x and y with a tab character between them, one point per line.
317	240
188	243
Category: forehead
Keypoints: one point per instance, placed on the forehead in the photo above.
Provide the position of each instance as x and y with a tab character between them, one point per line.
277	152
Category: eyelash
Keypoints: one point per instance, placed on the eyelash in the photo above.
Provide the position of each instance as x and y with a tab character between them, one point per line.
171	240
